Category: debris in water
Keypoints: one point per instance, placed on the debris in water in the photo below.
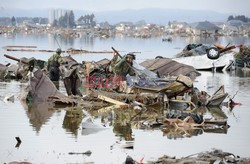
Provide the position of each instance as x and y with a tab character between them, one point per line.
9	98
18	142
88	153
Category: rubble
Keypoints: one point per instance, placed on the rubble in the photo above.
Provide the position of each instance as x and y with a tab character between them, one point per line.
214	156
146	91
242	59
214	57
69	51
9	98
168	67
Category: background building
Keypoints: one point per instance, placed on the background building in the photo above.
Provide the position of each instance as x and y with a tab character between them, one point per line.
55	14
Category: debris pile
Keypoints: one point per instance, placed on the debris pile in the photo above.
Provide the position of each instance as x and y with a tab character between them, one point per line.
242	59
214	156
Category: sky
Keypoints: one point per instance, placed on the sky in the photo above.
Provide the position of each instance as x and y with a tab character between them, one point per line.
222	6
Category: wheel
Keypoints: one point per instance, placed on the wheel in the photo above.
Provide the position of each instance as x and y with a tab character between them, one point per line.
213	53
158	57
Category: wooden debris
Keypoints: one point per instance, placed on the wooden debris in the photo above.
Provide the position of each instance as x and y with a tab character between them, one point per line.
70	51
19	47
188	122
88	153
110	100
14	58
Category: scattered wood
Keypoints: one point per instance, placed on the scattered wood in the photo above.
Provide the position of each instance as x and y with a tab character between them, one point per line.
70	51
7	65
110	100
19	47
114	95
188	122
80	51
88	153
29	50
14	58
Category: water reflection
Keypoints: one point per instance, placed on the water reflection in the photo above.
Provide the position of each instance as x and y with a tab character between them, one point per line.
60	41
122	125
73	119
38	114
239	73
86	41
218	124
217	113
124	121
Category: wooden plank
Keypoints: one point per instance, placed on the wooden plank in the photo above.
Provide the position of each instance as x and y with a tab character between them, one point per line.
110	100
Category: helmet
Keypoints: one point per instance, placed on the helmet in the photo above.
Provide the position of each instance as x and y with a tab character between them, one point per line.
59	51
130	55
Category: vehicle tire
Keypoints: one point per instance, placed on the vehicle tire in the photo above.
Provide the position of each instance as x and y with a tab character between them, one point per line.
158	57
213	53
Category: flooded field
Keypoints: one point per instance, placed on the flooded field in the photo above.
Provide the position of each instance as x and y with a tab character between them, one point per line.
50	135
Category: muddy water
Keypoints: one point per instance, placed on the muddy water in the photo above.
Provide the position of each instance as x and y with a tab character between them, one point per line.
49	134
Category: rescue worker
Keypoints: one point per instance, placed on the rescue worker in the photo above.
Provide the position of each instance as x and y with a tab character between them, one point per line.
122	68
54	64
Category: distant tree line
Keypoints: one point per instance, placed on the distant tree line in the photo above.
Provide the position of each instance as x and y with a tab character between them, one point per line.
67	20
87	20
243	18
19	20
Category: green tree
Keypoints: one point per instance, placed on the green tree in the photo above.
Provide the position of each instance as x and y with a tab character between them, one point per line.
243	18
55	23
230	18
13	21
43	21
169	23
71	19
35	20
63	20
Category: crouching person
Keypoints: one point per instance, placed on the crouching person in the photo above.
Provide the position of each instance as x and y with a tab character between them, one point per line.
121	69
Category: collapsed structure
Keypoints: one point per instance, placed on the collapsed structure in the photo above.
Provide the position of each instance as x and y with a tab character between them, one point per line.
91	85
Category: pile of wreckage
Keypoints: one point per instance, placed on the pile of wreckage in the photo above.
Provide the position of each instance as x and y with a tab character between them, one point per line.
159	83
242	59
213	57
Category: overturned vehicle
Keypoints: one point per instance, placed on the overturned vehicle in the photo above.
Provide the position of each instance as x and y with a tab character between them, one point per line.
212	56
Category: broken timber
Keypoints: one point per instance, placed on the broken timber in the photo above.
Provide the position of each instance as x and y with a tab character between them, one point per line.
110	100
70	51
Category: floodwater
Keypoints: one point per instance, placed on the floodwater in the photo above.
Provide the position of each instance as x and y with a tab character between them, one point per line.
48	135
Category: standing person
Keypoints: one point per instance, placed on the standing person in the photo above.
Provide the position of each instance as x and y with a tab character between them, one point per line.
54	64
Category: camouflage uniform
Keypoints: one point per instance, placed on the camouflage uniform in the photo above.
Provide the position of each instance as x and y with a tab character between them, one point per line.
53	66
121	68
243	57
